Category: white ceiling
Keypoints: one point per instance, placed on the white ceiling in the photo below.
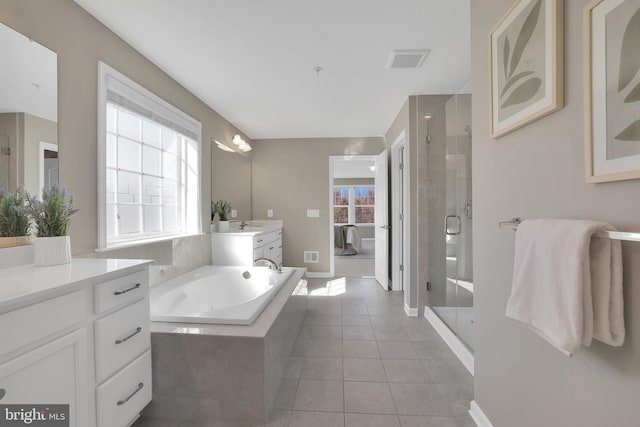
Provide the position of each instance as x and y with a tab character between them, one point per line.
253	60
353	168
28	76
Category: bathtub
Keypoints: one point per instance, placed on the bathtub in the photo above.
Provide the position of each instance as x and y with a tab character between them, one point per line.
218	295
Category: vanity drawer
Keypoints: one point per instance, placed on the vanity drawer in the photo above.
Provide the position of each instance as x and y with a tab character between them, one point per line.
120	399
24	326
120	291
120	337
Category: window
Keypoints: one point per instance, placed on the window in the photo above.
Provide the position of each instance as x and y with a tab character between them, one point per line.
149	162
354	205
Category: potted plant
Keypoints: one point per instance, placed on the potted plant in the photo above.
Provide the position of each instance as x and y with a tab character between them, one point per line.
222	209
14	219
51	217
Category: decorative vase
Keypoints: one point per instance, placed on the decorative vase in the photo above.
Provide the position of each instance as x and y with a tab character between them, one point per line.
223	226
9	242
52	251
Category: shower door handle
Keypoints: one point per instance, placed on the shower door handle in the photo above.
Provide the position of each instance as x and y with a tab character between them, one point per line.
458	229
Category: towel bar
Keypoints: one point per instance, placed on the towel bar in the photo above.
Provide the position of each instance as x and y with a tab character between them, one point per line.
618	235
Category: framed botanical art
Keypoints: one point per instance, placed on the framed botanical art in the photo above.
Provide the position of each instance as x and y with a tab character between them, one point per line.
526	65
612	90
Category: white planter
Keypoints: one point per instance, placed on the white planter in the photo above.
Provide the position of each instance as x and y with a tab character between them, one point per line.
52	251
223	226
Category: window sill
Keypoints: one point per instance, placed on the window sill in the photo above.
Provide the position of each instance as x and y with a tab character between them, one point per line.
142	242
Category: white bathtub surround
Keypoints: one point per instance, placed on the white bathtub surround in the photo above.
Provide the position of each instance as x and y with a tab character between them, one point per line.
230	372
60	327
567	287
218	295
52	251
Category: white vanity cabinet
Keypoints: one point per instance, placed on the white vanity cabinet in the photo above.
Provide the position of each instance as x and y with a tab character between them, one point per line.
243	247
77	334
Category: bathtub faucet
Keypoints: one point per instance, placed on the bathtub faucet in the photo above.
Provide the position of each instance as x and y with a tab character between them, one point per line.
270	263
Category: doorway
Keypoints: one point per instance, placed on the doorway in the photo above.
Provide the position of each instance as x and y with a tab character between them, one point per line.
399	217
354	186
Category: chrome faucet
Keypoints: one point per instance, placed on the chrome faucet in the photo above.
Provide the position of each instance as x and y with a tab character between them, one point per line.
270	263
243	224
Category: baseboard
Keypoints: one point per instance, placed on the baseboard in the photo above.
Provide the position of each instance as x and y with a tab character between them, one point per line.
319	275
478	416
411	312
462	353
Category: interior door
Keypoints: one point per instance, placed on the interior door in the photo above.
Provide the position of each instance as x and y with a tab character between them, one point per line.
381	222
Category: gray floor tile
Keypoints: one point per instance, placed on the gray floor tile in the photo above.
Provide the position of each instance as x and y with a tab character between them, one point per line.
314	395
318	348
327	319
447	372
363	333
421	333
371	420
405	371
457	396
368	398
286	394
293	368
279	418
419	399
383	320
422	421
359	309
326	332
316	419
355	320
305	331
390	333
397	350
364	370
322	368
433	350
360	349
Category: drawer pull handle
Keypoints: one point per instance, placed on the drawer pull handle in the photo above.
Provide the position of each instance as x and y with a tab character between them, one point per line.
133	288
259	240
124	340
271	248
3	392
126	399
280	247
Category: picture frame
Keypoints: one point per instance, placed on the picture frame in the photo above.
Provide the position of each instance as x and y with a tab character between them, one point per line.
612	90
526	65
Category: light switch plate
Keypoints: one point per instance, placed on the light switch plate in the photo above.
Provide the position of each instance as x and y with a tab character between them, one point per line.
269	213
234	213
313	213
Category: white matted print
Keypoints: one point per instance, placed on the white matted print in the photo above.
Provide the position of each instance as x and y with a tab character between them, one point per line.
612	90
526	65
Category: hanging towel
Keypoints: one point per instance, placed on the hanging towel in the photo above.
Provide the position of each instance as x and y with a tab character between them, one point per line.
567	287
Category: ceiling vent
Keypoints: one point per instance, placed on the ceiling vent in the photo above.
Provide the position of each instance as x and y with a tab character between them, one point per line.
407	58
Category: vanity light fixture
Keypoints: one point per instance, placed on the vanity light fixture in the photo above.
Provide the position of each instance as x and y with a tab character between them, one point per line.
427	116
241	143
223	147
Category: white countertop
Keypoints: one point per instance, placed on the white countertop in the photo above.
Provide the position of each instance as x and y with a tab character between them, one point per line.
249	231
27	284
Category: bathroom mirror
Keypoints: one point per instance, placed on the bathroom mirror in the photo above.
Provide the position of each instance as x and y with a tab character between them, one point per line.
28	113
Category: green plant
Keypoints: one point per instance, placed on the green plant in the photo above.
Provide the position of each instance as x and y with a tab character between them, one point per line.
53	214
14	216
222	208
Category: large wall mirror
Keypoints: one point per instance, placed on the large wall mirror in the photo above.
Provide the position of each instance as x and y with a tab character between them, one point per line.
28	113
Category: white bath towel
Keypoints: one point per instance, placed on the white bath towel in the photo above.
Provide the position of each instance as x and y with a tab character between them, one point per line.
567	286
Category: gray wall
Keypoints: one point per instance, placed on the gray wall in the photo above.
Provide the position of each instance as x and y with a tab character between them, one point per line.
537	171
80	42
291	176
36	130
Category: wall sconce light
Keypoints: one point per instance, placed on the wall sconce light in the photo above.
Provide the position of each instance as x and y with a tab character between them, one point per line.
427	116
241	143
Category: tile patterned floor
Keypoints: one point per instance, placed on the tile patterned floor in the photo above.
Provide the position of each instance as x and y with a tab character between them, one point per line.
359	361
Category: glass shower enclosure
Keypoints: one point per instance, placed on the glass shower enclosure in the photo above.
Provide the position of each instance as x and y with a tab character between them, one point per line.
450	216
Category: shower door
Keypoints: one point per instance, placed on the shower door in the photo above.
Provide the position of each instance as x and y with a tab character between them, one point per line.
451	253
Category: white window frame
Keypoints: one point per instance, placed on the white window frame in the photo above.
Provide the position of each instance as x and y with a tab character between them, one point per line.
352	202
110	80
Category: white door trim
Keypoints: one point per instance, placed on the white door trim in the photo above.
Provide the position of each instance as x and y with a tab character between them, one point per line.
41	149
397	277
332	159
